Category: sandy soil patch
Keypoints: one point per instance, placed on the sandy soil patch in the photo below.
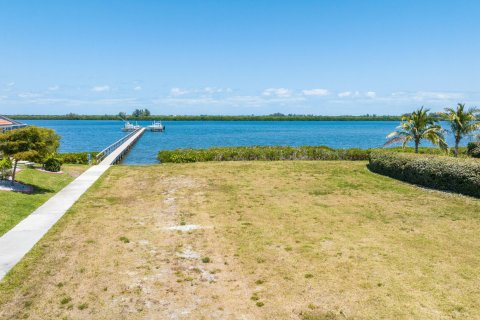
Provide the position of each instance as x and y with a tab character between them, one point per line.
116	259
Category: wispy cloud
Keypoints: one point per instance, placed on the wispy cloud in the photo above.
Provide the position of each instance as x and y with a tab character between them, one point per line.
29	95
8	87
344	94
207	96
40	100
432	95
214	90
102	88
176	92
277	92
357	94
316	92
224	98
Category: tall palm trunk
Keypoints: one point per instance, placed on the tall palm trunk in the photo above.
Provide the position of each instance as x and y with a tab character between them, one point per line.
417	143
457	142
14	171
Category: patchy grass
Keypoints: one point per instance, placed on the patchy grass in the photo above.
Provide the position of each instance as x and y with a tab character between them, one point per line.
15	206
287	240
124	239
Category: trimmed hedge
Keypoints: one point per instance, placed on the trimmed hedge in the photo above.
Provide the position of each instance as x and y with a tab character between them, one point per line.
75	157
459	175
429	150
53	165
265	153
474	149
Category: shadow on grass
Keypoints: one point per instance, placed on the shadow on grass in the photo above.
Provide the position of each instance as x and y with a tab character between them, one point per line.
26	188
40	190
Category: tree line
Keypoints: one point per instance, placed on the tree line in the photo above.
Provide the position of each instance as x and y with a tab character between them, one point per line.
145	115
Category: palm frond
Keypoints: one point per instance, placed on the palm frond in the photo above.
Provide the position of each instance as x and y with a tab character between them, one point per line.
396	139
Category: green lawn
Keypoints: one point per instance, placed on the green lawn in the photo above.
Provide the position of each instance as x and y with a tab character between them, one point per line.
305	240
15	206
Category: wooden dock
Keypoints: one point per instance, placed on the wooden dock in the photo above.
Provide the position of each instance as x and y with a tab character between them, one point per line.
114	153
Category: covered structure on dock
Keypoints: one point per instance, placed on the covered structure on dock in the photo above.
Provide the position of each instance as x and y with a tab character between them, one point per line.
7	124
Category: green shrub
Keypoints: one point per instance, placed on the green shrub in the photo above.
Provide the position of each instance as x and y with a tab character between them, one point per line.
474	149
52	165
263	153
76	157
459	175
5	168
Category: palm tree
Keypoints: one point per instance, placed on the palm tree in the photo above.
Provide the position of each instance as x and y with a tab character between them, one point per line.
418	126
462	122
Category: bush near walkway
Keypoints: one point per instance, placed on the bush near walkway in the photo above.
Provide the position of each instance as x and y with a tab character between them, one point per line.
436	172
75	157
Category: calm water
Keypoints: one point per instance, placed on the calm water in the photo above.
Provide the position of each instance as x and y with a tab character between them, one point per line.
94	135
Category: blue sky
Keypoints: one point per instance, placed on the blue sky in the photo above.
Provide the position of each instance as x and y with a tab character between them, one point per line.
238	57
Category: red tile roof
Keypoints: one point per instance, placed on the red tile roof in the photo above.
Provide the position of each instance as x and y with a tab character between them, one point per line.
4	122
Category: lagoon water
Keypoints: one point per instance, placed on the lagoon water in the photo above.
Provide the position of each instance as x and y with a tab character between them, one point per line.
94	135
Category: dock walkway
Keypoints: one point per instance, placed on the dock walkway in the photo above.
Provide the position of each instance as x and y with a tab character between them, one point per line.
20	239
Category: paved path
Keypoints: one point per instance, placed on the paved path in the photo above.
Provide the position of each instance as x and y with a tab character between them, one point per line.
20	239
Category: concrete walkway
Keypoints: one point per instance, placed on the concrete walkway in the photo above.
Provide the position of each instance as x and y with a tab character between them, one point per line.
20	239
17	242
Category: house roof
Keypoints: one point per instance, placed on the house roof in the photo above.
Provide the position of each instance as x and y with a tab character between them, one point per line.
4	122
9	123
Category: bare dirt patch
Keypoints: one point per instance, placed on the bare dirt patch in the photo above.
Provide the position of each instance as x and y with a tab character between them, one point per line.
116	259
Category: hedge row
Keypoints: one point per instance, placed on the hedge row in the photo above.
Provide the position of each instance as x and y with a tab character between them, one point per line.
429	150
474	149
266	153
459	175
75	157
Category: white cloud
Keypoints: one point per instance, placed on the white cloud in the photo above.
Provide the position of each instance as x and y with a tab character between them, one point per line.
32	99
430	95
229	100
53	88
29	95
137	88
212	90
277	92
371	94
344	94
316	92
8	87
101	88
176	92
118	101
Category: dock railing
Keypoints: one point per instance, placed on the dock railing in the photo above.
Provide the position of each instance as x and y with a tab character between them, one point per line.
105	152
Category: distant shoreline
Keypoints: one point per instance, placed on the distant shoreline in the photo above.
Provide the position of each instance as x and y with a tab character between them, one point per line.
210	118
